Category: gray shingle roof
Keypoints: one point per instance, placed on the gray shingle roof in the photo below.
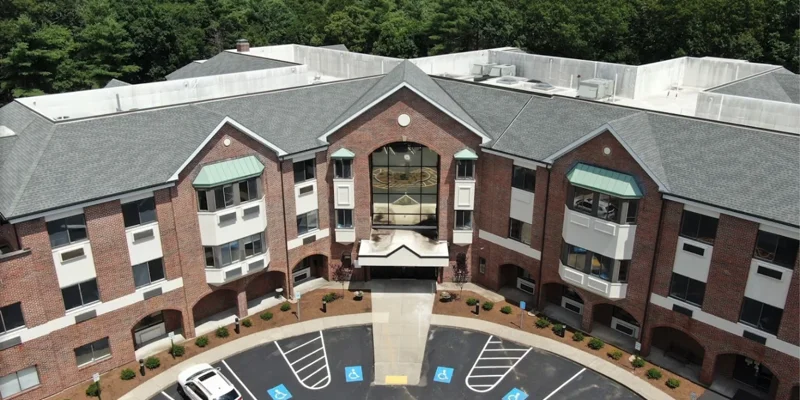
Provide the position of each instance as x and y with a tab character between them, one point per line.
777	85
115	83
226	62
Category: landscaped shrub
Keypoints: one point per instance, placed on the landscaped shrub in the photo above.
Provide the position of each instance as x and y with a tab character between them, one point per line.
637	362
673	383
616	354
93	390
542	322
177	350
488	305
222	332
127	374
152	362
577	336
506	310
329	298
286	307
653	373
266	315
472	301
247	323
596	344
558	329
202	341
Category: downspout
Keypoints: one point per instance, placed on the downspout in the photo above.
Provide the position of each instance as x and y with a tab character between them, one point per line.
652	271
285	245
541	245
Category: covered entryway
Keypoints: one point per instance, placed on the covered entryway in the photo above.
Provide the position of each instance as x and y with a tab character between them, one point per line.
517	284
735	373
615	326
151	333
380	272
402	254
309	268
262	292
675	350
214	310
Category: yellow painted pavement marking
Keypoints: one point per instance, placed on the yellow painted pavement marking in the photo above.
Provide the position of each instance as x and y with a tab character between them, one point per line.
396	380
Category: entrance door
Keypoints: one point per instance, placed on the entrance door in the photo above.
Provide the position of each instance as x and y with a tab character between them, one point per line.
403	272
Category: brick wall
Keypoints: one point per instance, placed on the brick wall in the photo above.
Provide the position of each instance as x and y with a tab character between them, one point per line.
112	262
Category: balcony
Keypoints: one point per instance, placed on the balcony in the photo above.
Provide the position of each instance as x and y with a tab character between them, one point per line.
144	243
692	259
600	236
229	224
594	284
221	276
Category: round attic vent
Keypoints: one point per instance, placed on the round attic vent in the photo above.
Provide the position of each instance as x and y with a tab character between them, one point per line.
226	142
607	151
403	120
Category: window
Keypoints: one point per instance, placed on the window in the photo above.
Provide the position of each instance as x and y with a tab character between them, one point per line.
344	218
603	206
602	266
463	220
19	381
148	272
342	168
191	386
405	186
699	227
11	317
575	257
633	211
622	276
519	231
229	253
139	212
307	222
209	253
465	169
482	265
81	294
304	170
202	200
66	230
254	245
687	289
761	316
776	249
248	190
524	178
594	264
92	352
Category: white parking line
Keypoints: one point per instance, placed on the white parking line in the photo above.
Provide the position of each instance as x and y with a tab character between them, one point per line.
310	341
167	396
239	380
486	387
322	383
306	356
564	384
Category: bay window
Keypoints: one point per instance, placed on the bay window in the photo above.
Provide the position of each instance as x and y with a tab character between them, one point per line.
594	264
603	206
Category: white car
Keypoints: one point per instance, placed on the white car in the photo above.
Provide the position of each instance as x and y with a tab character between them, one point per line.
204	382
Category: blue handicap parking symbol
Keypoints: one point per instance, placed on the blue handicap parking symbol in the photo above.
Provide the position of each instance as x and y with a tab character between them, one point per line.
353	374
515	394
443	375
279	393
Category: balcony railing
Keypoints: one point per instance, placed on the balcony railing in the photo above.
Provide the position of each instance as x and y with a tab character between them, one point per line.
221	276
229	224
610	290
600	236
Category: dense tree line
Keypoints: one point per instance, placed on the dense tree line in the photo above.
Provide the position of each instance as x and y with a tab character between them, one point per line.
49	46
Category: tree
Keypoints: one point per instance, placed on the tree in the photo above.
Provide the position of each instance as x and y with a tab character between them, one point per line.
342	274
460	272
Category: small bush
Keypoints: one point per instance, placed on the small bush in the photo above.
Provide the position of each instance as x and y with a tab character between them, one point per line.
673	383
266	315
127	374
506	310
202	341
152	362
557	328
329	298
488	305
222	332
578	336
653	373
596	344
286	307
93	390
247	323
177	350
616	354
542	322
637	362
472	301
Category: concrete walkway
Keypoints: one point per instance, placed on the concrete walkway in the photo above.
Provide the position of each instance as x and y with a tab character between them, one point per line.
402	313
471	287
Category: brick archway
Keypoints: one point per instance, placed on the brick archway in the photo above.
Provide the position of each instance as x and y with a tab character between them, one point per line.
310	267
264	283
156	325
214	303
747	370
677	344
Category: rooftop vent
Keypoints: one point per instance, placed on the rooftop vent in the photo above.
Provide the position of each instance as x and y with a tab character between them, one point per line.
595	88
242	46
482	69
503	70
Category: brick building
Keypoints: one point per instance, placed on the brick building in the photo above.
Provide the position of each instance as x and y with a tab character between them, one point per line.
125	219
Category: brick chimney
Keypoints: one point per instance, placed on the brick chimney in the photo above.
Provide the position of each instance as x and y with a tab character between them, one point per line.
242	46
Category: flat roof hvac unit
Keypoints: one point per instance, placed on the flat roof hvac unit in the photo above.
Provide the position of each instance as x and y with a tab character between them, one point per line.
595	88
482	69
503	70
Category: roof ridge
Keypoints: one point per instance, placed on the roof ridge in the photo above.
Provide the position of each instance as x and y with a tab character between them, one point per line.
512	121
34	166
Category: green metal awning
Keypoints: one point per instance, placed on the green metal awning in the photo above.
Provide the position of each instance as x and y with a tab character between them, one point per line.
228	171
604	181
343	153
466	154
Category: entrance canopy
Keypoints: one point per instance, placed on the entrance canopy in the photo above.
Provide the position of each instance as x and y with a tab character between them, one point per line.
402	248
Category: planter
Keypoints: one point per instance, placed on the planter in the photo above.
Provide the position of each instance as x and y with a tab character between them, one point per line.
359	295
445	297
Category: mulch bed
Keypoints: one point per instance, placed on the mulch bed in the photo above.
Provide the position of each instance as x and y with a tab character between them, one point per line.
460	308
112	387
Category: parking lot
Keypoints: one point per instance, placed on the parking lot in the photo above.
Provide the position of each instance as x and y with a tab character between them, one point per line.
337	365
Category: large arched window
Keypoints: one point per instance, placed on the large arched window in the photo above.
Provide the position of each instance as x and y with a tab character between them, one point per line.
405	186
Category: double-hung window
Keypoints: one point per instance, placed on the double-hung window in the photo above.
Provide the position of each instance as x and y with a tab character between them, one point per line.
463	220
524	178
253	245
699	227
139	212
304	170
148	272
80	294
519	231
761	316
687	289
11	317
66	230
344	219
776	249
19	381
342	168
307	222
465	169
92	352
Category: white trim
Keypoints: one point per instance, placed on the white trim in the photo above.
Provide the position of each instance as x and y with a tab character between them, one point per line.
711	208
517	160
64	214
324	137
510	244
52	214
780	231
701	210
606	127
305	155
137	196
239	127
